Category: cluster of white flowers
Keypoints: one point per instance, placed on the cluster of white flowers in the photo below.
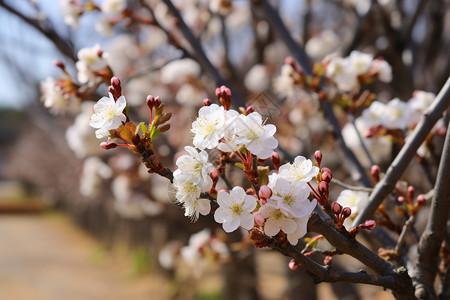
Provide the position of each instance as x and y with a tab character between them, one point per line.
345	71
90	60
108	115
191	179
54	98
228	130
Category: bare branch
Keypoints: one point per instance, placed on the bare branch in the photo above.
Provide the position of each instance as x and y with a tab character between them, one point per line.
351	187
435	231
407	153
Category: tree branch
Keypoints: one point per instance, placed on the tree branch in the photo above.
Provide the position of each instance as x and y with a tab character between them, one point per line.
61	44
406	154
435	231
201	55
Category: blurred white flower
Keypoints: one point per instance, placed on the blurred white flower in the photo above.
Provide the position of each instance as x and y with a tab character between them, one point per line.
257	79
397	114
71	12
190	95
104	26
359	62
94	171
383	70
321	45
373	115
53	97
235	209
176	70
113	7
108	115
89	61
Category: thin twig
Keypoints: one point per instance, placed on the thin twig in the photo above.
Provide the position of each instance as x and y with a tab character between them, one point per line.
201	55
401	239
351	187
406	154
361	140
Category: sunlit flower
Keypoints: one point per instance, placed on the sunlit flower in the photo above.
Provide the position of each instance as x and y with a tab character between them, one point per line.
373	115
257	137
228	143
396	114
383	70
208	128
89	61
292	198
356	200
195	167
235	209
113	7
108	115
277	219
301	170
71	12
359	62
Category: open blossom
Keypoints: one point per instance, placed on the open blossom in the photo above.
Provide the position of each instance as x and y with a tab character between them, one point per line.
195	167
301	170
113	7
276	219
188	194
89	61
108	115
373	115
383	70
71	12
53	96
292	198
208	128
229	144
235	209
359	62
257	137
356	200
396	115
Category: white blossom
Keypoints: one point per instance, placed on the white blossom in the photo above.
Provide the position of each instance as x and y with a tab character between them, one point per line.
195	167
257	79
208	128
396	115
89	61
104	26
356	200
94	171
229	144
373	115
277	219
255	136
235	209
359	62
53	96
301	170
292	198
113	7
175	71
108	115
188	194
339	70
383	70
71	12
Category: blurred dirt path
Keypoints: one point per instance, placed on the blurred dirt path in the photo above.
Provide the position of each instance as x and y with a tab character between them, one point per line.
49	258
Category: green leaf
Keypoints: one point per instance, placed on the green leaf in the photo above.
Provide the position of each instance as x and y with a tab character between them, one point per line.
154	134
143	127
240	165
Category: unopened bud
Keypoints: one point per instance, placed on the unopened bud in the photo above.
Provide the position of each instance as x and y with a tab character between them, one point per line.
59	64
150	101
214	174
259	219
293	265
157	101
115	81
265	192
336	208
421	199
375	172
326	177
318	156
262	201
207	102
289	61
401	199
250	109
370	224
275	157
108	145
411	191
346	212
326	170
100	52
323	187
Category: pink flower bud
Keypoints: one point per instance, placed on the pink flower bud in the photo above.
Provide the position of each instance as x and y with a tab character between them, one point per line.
293	265
108	145
250	109
262	201
150	101
326	170
336	208
214	174
115	81
59	64
401	199
421	199
289	61
157	101
259	219
318	156
100	52
370	224
411	191
275	157
375	172
346	212
323	187
326	177
207	102
265	192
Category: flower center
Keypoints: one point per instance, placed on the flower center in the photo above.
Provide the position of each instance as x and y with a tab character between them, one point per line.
277	215
288	199
237	209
